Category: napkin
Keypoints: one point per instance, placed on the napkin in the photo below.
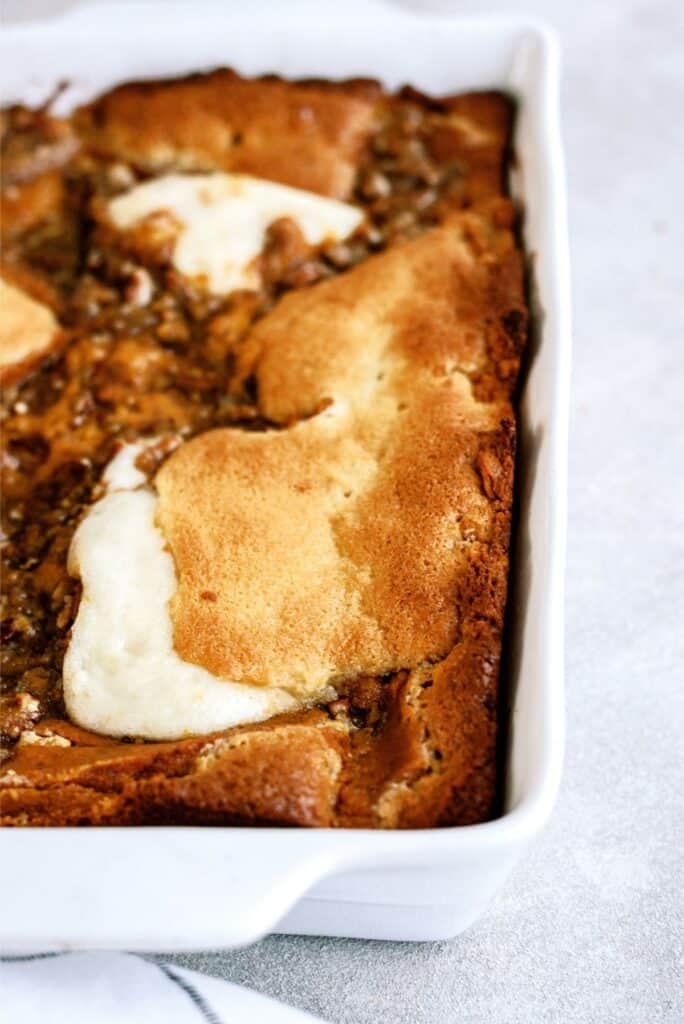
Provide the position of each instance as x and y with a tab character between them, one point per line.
121	988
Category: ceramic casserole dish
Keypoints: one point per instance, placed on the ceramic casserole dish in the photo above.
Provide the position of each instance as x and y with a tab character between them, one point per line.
193	888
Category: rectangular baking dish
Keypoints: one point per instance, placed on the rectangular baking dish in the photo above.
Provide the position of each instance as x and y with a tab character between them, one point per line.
190	888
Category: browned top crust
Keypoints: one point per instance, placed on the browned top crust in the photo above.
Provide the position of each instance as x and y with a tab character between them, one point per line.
335	548
28	329
308	135
424	310
359	530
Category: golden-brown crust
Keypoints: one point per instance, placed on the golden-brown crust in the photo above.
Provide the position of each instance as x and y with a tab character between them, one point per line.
433	305
286	774
307	135
478	130
418	349
28	331
28	203
334	548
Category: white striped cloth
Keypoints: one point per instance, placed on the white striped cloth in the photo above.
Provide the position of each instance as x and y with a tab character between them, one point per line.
121	988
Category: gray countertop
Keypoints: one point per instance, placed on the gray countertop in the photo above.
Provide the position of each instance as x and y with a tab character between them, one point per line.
591	925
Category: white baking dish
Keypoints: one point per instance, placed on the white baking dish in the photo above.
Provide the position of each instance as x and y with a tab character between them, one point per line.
187	888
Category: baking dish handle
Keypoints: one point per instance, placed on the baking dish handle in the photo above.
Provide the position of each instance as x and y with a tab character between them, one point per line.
155	888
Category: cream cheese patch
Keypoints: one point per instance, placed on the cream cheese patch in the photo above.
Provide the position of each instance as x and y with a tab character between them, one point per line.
223	220
122	676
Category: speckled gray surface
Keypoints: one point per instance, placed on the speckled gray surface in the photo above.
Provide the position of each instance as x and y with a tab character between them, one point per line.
591	925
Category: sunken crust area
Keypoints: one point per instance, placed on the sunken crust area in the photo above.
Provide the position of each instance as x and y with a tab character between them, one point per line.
308	135
415	748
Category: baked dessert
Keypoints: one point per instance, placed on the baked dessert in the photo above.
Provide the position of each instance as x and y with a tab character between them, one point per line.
260	342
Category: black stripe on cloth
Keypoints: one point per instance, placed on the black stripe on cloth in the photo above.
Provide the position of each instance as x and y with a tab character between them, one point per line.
26	957
191	992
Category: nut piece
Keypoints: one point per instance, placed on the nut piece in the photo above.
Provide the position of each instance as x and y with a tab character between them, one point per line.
140	288
44	739
18	711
